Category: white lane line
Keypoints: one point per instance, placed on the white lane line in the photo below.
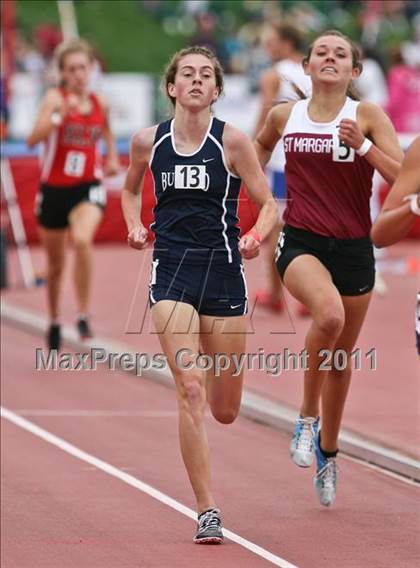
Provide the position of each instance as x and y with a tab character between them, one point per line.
81	413
134	482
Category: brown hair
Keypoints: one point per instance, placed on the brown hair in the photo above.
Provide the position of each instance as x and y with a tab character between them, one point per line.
172	68
355	54
290	33
71	46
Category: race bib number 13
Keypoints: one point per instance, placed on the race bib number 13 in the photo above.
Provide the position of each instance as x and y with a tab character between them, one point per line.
75	164
191	177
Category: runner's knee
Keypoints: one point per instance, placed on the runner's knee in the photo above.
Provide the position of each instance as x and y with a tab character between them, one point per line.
330	319
191	392
55	267
81	241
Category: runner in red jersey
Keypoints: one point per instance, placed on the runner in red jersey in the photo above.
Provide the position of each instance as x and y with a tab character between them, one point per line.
70	122
324	256
70	153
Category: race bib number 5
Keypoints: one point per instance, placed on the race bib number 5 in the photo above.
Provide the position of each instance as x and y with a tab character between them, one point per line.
342	152
191	177
74	165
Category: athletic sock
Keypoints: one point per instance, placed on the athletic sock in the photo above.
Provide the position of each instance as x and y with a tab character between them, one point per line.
325	453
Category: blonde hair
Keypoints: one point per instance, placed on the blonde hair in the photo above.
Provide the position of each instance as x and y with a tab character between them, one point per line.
172	68
71	46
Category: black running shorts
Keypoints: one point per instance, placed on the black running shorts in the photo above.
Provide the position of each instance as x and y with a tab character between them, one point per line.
54	204
350	261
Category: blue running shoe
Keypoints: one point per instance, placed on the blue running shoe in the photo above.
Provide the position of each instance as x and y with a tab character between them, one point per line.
325	480
302	445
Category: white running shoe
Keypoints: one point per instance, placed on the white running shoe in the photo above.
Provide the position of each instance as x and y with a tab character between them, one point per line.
325	480
302	449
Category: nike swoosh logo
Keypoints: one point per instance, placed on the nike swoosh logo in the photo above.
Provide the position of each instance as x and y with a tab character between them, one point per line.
234	307
208	160
364	288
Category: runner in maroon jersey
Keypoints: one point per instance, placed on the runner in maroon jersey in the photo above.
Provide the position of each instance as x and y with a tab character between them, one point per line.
70	122
332	144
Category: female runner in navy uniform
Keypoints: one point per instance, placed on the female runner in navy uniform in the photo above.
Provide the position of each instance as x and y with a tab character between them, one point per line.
332	145
401	206
197	289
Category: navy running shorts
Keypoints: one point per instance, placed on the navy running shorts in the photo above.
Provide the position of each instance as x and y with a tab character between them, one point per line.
349	261
214	289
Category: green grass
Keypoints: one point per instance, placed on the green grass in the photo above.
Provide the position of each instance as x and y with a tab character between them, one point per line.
30	14
126	36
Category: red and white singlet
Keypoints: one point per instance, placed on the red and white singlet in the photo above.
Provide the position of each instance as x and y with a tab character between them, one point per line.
328	184
71	156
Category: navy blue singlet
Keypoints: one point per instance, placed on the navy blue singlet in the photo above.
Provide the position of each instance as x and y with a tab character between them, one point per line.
197	198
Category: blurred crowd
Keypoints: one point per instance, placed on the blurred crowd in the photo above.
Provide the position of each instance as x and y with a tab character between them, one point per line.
243	35
388	32
233	28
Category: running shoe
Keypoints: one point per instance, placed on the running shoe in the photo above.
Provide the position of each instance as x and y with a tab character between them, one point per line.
54	337
325	480
209	528
302	449
83	328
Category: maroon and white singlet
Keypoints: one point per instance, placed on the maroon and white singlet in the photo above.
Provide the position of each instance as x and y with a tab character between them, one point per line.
328	184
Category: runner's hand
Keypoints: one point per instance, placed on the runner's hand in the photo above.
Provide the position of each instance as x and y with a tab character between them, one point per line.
112	167
137	237
350	133
249	247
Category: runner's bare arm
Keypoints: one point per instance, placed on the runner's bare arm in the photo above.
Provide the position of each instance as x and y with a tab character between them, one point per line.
243	161
140	151
385	155
396	217
272	131
51	103
269	87
112	160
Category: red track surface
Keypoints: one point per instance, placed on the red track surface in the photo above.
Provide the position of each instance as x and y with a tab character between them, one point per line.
58	511
383	405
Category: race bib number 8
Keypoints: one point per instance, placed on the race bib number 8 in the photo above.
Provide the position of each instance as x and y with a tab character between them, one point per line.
191	177
75	164
342	152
